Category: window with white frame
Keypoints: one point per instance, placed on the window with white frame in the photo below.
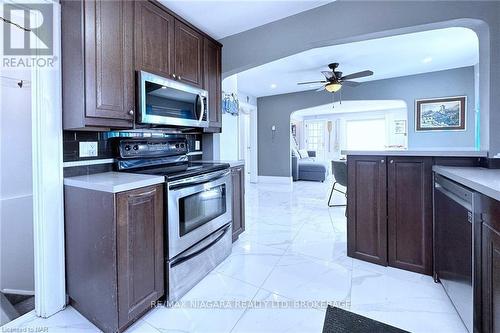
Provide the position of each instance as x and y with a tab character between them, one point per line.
366	134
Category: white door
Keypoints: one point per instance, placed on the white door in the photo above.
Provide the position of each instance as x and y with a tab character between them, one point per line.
248	140
315	137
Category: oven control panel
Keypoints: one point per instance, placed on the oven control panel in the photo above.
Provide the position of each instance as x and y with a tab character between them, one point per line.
140	148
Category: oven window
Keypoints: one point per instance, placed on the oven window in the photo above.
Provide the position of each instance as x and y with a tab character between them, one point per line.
168	102
200	208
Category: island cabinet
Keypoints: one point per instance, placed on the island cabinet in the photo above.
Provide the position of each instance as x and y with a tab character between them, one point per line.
97	64
238	180
389	219
114	253
367	208
490	263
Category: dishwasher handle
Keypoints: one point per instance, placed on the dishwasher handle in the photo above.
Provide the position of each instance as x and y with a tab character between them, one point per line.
460	194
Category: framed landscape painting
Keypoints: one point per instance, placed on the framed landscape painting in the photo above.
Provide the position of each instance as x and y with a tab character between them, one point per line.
440	114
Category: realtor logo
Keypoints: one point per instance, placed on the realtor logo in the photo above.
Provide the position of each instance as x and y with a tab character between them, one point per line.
29	29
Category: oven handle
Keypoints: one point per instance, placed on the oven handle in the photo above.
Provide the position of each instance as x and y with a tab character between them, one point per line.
196	250
197	180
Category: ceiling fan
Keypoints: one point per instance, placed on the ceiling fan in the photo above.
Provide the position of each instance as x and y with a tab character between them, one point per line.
335	80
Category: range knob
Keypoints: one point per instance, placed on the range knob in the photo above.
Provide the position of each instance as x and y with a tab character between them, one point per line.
182	145
127	147
136	147
177	145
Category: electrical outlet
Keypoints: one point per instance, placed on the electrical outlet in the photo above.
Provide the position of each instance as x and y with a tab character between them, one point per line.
88	149
197	145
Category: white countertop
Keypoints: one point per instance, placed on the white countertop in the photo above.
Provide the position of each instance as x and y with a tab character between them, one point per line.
232	164
482	180
113	182
444	153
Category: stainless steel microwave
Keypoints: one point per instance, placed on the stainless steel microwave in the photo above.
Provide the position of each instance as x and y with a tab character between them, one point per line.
167	102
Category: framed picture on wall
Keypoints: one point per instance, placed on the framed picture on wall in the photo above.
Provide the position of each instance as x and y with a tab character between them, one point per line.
440	114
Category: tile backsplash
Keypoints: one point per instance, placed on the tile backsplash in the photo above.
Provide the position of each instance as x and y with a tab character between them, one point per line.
72	139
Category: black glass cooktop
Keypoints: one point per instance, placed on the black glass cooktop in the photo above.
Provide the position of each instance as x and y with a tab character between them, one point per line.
183	170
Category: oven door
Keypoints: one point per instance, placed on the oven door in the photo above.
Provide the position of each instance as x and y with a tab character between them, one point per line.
197	207
169	102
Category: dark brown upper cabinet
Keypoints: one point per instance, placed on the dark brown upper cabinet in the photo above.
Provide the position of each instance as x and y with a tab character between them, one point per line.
188	51
409	203
367	208
213	83
154	39
98	64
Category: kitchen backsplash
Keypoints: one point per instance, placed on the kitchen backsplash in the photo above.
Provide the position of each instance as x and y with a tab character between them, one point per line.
76	165
72	139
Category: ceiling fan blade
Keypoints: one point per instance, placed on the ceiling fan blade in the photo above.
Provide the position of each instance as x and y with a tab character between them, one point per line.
311	82
321	89
351	83
328	75
357	75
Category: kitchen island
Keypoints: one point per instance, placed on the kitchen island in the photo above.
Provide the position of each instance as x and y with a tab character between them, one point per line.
389	204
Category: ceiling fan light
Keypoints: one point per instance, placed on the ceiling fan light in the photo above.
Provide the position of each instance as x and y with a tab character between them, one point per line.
333	87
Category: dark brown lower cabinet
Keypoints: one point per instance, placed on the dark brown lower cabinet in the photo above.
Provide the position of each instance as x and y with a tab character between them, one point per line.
238	178
490	265
491	280
409	203
367	208
114	253
389	211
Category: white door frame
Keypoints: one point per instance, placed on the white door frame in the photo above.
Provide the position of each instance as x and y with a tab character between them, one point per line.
252	111
48	206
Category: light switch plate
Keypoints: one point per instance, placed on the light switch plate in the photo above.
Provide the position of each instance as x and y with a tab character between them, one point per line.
88	149
197	145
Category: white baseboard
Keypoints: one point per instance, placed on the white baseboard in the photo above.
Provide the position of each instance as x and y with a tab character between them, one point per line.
275	180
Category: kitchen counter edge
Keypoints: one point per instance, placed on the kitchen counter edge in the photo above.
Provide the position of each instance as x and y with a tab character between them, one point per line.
435	153
482	180
113	182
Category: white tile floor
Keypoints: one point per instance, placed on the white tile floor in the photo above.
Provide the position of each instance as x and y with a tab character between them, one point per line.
294	249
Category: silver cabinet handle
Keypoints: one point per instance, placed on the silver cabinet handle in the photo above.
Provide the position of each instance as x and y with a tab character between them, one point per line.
174	76
131	112
179	77
392	161
382	161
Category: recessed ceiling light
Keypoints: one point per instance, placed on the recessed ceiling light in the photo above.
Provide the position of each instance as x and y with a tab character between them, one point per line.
273	85
427	60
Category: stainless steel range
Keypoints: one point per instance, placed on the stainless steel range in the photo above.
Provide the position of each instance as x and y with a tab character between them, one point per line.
198	207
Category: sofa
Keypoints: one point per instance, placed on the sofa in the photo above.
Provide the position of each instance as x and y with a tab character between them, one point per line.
308	168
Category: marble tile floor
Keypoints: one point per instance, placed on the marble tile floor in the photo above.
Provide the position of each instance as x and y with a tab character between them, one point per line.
283	270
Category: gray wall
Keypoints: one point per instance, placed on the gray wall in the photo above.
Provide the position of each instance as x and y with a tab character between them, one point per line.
315	28
274	152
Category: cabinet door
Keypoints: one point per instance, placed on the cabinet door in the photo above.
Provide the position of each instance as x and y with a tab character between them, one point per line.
139	218
109	54
154	39
238	178
188	54
212	83
409	182
366	208
491	279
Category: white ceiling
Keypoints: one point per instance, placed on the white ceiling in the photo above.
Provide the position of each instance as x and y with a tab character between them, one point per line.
387	57
350	107
223	18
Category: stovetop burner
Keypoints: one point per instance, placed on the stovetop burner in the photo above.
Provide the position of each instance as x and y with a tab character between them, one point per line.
163	157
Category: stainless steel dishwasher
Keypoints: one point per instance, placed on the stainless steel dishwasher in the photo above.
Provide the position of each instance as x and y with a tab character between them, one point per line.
455	228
